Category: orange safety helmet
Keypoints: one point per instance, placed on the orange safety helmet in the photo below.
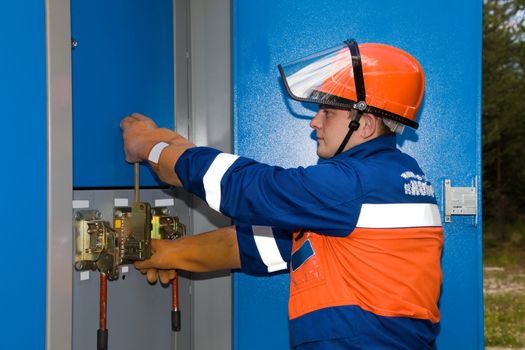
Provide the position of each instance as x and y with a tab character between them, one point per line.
371	78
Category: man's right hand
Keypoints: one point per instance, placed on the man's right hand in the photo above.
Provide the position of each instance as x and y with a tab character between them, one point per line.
206	252
165	276
162	264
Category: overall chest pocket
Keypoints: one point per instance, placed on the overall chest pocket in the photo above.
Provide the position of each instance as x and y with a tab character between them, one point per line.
306	267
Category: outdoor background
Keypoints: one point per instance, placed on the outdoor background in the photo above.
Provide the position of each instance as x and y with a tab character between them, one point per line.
504	172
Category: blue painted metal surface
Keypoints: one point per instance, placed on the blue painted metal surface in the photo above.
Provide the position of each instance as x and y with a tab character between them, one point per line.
271	128
23	101
123	64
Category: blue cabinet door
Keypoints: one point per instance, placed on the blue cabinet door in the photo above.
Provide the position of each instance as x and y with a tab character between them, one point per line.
269	127
123	63
24	145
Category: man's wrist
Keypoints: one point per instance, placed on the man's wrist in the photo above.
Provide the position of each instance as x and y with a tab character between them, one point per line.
155	152
162	136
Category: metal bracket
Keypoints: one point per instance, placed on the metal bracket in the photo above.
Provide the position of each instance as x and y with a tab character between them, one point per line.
460	201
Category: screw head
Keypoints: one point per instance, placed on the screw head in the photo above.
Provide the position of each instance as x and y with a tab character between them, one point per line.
361	105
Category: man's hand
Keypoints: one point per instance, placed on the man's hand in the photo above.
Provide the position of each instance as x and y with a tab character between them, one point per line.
165	276
140	134
206	252
161	263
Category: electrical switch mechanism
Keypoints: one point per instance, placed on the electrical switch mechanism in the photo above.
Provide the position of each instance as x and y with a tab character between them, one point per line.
96	244
102	247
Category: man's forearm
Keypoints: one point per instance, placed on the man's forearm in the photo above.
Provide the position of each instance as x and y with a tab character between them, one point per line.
206	252
210	251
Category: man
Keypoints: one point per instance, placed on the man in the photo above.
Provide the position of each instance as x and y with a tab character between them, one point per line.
360	232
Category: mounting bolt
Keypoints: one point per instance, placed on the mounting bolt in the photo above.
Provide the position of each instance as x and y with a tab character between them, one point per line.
74	43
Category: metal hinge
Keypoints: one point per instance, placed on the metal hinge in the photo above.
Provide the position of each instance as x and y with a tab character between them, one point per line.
460	201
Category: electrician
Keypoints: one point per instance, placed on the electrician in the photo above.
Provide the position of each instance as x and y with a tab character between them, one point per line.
360	232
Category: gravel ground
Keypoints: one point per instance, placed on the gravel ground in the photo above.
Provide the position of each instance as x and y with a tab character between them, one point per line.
498	280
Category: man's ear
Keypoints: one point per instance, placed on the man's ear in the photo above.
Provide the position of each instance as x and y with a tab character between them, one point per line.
368	125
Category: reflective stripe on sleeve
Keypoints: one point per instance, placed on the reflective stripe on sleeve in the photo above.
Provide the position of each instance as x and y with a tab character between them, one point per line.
267	247
212	178
399	215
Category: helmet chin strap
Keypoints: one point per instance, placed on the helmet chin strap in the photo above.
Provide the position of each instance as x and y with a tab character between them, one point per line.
353	126
359	81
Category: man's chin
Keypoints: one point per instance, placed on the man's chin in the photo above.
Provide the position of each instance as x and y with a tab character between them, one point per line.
323	154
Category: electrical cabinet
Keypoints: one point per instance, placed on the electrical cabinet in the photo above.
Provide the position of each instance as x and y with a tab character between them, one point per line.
125	57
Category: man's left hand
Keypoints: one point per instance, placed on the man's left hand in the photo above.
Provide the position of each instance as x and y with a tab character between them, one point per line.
140	134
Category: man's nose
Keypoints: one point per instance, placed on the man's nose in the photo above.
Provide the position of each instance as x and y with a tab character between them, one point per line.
315	123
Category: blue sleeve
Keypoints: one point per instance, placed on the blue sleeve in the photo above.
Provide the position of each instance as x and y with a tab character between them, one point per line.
263	250
325	198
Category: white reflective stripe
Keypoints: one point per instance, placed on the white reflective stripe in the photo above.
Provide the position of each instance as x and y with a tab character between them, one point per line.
399	215
212	178
267	247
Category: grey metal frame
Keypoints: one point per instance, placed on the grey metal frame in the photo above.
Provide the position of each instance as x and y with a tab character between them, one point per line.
209	51
59	176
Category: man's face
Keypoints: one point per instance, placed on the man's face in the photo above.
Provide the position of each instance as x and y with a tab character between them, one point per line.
330	125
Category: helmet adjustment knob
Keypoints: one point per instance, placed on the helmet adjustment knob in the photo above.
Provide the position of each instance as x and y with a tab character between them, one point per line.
360	106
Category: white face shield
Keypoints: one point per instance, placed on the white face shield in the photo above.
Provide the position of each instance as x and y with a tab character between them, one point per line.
324	77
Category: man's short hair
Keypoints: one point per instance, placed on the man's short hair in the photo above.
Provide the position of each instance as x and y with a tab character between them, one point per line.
390	127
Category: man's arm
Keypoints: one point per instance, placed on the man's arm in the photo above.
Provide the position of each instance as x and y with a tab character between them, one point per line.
206	252
141	134
325	198
256	250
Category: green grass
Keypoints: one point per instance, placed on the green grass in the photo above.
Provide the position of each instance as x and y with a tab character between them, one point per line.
505	287
505	319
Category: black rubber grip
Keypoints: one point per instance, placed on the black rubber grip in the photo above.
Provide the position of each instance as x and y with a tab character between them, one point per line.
102	339
175	320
